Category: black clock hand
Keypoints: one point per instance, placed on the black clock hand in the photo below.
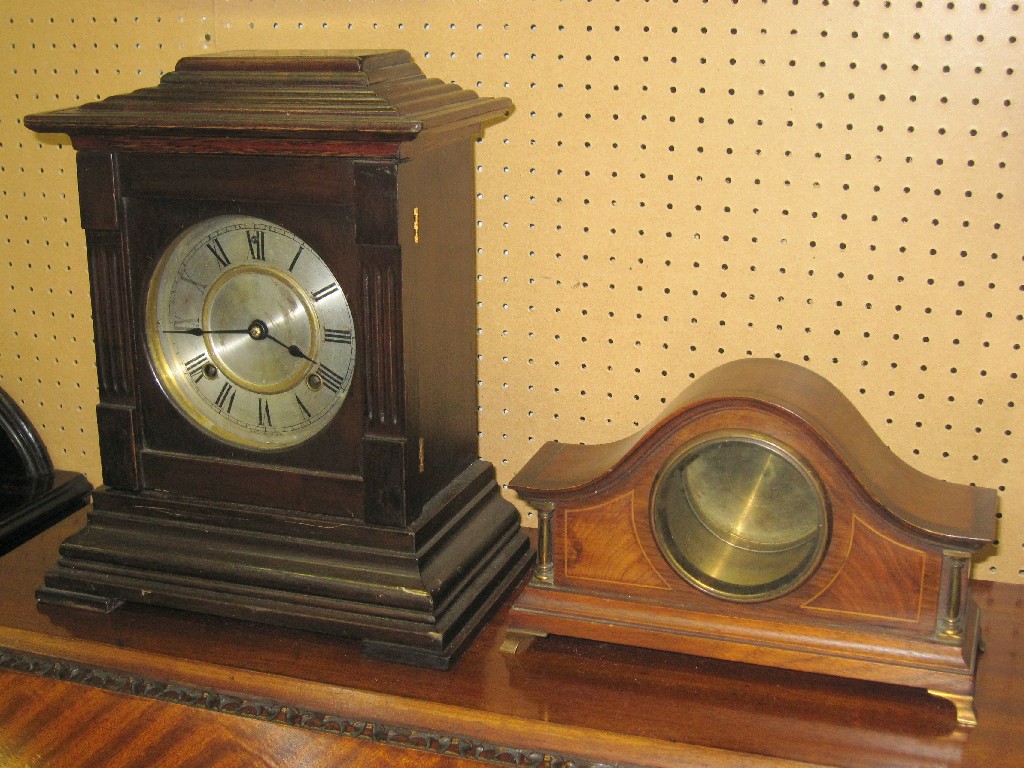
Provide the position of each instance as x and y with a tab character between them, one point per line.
201	332
293	350
258	330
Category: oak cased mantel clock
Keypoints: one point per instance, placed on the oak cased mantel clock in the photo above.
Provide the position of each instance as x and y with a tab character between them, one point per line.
281	255
760	519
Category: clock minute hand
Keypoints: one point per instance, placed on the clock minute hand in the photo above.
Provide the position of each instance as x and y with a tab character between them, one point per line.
201	332
257	330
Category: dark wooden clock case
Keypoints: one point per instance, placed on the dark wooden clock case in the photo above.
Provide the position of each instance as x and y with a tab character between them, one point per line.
33	495
889	600
386	526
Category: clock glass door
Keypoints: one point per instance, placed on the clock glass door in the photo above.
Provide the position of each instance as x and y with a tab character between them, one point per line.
740	517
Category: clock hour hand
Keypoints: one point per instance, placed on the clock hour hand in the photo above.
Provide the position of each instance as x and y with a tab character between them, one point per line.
259	331
293	350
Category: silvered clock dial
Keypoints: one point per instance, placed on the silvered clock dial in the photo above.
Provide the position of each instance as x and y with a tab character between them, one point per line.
250	333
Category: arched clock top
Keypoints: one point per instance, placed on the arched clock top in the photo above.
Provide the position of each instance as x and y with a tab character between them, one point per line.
33	495
954	514
22	452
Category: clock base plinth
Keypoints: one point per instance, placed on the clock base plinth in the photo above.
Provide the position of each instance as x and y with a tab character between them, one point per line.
412	596
944	668
81	600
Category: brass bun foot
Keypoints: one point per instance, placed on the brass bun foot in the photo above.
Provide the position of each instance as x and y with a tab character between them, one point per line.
966	716
519	640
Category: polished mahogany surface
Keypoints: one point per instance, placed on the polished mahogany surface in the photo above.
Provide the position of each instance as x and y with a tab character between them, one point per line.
560	700
51	723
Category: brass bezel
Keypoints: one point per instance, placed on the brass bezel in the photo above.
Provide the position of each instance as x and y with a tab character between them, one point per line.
773	588
311	315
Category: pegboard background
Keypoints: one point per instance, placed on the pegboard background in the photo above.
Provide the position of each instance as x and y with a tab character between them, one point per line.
836	183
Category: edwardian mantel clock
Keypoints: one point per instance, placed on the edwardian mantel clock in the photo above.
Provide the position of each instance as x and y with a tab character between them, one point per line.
281	252
760	520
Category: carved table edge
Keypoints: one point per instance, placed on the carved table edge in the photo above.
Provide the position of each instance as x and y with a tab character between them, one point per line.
267	710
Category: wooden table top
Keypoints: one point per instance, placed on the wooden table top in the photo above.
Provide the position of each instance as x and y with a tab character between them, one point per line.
145	686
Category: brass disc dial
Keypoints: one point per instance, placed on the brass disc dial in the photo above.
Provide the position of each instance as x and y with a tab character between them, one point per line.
249	333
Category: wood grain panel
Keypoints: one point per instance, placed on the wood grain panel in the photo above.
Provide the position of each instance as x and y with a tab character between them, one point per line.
601	544
858	590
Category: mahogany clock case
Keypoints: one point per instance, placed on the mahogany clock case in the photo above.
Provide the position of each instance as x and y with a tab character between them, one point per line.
882	596
385	524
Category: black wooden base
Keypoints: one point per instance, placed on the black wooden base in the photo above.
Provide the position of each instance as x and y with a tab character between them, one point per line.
32	506
415	596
